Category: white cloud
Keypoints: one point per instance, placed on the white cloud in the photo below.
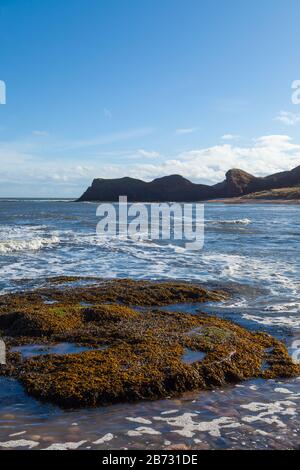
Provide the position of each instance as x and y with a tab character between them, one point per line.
267	155
148	153
186	130
25	170
287	118
230	137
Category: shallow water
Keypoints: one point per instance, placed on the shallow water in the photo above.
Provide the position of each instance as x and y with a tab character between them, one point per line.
251	250
189	356
253	415
32	350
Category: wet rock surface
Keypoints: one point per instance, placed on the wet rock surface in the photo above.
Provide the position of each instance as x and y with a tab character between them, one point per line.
143	358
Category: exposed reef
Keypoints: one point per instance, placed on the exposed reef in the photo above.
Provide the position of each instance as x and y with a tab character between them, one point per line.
134	353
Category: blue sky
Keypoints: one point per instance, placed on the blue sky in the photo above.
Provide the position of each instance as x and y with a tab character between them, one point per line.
107	88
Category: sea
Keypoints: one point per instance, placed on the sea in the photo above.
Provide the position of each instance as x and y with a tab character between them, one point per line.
251	250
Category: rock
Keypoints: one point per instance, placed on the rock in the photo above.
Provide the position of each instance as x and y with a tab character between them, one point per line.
237	182
177	447
135	354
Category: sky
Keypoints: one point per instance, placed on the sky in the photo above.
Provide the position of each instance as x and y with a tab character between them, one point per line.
98	88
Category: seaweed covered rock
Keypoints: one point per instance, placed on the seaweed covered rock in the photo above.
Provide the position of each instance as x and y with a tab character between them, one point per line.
40	320
153	367
70	290
108	313
135	353
122	373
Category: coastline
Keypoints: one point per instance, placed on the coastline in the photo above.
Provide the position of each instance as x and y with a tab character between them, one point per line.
239	200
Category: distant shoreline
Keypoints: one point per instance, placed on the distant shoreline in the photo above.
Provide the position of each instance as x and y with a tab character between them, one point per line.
232	200
237	200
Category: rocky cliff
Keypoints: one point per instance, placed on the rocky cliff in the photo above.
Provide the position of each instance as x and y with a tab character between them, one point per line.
178	189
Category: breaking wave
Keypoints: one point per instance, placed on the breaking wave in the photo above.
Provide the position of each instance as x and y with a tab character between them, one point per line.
230	222
11	246
25	238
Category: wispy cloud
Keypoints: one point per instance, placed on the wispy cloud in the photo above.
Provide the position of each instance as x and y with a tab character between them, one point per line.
186	130
288	118
103	139
62	166
148	153
230	137
24	170
268	154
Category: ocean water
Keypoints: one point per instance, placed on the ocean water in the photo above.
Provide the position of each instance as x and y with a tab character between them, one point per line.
251	250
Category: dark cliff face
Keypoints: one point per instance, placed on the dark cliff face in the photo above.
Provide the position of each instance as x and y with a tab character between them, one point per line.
237	182
169	188
240	183
178	189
